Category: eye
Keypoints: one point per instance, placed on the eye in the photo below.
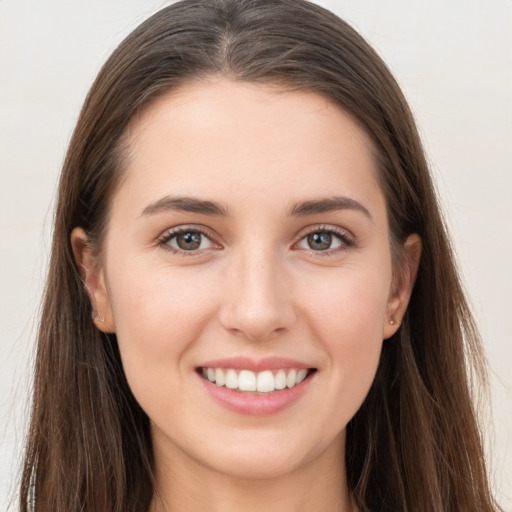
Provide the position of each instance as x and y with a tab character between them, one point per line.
322	241
326	239
186	240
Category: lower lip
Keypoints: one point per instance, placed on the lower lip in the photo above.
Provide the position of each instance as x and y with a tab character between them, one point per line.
252	404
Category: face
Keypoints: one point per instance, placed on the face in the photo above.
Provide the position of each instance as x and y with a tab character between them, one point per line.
247	274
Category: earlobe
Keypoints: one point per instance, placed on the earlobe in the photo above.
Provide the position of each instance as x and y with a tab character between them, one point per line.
399	299
93	277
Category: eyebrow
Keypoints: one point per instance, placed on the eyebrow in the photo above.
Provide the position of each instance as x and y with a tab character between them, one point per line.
326	205
185	204
206	207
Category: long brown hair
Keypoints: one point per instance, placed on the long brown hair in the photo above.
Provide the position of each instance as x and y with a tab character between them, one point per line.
414	445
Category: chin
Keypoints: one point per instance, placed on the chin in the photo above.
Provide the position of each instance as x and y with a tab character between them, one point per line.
261	457
259	466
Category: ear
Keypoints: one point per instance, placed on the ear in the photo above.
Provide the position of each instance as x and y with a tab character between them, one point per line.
93	277
401	293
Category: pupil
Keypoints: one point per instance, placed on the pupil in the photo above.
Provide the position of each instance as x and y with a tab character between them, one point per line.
189	241
319	241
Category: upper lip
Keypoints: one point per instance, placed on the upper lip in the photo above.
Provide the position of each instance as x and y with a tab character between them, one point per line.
255	365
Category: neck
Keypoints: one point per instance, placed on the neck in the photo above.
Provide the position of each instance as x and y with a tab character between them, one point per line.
185	485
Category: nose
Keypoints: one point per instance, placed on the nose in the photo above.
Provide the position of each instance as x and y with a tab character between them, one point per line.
257	300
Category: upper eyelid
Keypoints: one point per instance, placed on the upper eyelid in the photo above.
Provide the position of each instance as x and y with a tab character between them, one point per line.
170	232
302	232
330	228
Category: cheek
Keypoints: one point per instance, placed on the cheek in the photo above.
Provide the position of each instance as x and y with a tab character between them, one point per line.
348	316
158	316
348	308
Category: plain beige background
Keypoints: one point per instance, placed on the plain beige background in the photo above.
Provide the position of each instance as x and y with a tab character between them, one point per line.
453	59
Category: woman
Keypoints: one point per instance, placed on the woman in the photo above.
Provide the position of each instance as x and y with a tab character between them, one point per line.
252	300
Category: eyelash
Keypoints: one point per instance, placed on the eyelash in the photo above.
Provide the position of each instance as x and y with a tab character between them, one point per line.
347	240
163	241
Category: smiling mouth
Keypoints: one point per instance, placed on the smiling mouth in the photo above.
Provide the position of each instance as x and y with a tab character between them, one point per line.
267	381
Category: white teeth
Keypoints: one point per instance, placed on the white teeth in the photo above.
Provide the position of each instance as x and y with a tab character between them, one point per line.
247	380
280	380
290	379
219	377
265	382
231	379
301	375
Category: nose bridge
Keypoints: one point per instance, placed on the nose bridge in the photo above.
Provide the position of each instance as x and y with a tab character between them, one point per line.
257	302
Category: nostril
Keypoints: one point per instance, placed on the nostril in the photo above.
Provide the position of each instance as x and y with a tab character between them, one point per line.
257	334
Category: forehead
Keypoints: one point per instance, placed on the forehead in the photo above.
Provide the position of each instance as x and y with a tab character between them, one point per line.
245	142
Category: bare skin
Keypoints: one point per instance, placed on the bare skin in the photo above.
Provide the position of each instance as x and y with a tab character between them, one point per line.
249	226
310	488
